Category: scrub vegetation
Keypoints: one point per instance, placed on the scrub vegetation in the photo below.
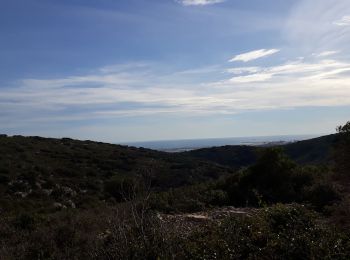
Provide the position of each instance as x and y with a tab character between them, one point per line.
69	199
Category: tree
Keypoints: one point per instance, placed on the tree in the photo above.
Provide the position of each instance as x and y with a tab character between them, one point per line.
342	151
271	179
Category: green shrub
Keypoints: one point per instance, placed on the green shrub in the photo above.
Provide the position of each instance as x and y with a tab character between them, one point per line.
280	232
24	221
322	194
122	188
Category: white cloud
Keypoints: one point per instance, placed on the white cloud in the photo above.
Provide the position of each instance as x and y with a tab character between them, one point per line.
252	78
137	93
200	2
203	70
289	85
253	55
243	70
344	21
318	25
296	70
326	53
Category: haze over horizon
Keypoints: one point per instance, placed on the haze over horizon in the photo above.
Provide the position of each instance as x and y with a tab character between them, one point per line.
144	70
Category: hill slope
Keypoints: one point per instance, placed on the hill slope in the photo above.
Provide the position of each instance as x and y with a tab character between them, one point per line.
57	201
70	171
313	151
36	170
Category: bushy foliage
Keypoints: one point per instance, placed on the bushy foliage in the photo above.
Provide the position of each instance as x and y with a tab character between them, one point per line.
66	172
273	179
322	194
342	151
66	199
121	188
188	199
125	232
281	232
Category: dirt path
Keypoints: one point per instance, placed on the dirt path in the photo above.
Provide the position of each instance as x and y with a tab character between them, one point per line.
188	221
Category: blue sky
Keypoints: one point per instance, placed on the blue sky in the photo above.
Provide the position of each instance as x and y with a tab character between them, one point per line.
132	70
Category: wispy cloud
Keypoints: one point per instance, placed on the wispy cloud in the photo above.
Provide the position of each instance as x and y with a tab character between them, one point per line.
344	21
199	2
242	70
257	77
253	55
297	70
142	92
326	53
315	26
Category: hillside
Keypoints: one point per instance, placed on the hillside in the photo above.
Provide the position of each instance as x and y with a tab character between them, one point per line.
313	151
66	172
69	199
71	172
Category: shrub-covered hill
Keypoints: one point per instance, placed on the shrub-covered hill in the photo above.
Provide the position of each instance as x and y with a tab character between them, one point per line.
313	151
71	173
65	199
38	172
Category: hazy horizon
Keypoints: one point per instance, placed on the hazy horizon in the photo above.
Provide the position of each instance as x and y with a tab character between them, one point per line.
226	137
145	70
191	144
138	143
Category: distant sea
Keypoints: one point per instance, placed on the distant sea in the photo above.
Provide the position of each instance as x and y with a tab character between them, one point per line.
192	144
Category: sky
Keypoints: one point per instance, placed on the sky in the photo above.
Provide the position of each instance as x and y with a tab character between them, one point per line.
139	70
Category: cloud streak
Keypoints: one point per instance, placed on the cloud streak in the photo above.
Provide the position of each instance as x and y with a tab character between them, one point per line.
253	55
136	92
344	21
304	35
200	2
326	53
